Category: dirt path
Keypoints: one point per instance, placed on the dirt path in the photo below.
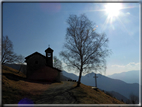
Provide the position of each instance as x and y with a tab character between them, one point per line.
59	94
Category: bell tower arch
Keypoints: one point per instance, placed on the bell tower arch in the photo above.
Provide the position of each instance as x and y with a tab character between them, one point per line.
49	57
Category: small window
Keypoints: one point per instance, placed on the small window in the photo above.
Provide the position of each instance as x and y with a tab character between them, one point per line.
49	54
36	62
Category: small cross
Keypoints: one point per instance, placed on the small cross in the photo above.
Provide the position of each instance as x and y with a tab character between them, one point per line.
95	80
48	46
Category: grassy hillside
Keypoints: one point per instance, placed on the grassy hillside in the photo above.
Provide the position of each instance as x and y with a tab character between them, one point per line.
86	95
15	88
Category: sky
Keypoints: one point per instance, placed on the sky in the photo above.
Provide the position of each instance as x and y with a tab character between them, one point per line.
33	26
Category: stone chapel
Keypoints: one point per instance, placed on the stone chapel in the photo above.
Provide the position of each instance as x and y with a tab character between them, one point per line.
40	67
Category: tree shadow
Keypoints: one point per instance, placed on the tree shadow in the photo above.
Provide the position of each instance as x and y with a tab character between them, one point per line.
57	96
71	88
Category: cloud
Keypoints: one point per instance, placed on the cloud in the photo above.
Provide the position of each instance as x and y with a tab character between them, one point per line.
133	64
129	66
120	66
111	69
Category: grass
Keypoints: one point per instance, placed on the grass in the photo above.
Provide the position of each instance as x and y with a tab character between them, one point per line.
13	90
86	95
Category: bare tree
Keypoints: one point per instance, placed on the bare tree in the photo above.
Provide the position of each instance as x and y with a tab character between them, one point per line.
20	60
133	99
85	50
8	56
57	63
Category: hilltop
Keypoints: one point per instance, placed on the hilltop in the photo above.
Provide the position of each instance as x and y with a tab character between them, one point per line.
108	84
15	87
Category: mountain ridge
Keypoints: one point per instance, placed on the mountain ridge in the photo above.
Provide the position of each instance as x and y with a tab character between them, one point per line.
108	84
128	77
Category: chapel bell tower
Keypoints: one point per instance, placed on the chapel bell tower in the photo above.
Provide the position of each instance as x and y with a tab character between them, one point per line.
49	57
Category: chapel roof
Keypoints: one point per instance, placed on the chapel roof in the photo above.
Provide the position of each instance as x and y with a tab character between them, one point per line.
49	50
35	53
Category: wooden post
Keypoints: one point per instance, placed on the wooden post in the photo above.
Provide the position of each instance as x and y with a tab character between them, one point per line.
95	80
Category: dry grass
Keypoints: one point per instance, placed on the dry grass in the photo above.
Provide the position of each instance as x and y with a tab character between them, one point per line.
6	69
86	95
15	90
32	88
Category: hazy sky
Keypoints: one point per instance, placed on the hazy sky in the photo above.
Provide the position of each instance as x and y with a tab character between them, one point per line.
33	26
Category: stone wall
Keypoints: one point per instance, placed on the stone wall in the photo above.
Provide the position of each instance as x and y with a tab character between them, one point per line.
45	74
34	63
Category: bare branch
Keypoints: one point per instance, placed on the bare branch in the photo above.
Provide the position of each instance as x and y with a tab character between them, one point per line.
8	56
85	50
57	63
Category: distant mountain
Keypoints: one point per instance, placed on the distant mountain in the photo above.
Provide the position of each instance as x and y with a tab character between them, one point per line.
118	96
128	77
107	84
64	78
14	66
70	75
23	68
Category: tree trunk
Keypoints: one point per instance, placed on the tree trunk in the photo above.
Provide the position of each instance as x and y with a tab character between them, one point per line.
80	74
